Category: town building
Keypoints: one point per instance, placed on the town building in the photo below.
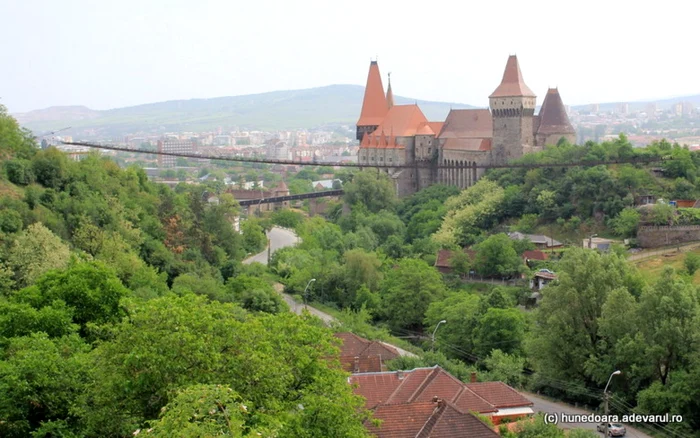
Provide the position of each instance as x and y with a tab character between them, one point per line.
173	146
398	135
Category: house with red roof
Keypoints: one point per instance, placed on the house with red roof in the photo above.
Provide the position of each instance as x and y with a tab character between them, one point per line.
495	400
359	355
431	419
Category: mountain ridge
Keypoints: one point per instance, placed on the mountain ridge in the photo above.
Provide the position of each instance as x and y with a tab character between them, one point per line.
310	108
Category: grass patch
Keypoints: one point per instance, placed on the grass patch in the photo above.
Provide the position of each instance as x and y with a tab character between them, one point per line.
651	268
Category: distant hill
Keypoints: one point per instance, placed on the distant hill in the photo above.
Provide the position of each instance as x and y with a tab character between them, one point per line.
329	106
662	104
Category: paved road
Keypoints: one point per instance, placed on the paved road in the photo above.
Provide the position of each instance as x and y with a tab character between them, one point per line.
298	308
279	238
544	405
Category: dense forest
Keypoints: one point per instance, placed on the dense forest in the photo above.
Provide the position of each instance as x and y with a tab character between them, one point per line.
126	308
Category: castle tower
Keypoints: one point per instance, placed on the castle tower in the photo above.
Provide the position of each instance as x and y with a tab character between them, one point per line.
389	94
553	121
512	108
374	105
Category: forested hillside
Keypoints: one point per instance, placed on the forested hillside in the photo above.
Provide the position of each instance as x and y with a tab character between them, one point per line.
124	309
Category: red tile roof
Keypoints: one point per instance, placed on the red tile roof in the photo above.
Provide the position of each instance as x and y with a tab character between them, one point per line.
420	384
535	255
427	420
430	128
467	144
499	394
374	105
402	121
444	256
359	355
512	84
467	123
552	117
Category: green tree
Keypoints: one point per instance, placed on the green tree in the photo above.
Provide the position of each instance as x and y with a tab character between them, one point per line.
496	256
14	141
40	380
564	340
456	337
360	269
626	223
254	238
92	292
36	251
504	367
280	362
692	262
200	411
408	290
255	294
374	190
503	329
669	310
460	263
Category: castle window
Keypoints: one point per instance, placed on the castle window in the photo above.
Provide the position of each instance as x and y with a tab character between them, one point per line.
429	150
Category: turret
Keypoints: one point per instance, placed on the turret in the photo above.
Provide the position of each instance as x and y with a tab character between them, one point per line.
374	105
512	108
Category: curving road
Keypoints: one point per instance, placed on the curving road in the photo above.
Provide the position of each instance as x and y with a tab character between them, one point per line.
279	238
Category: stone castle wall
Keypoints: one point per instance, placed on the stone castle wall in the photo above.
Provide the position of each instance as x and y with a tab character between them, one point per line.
655	236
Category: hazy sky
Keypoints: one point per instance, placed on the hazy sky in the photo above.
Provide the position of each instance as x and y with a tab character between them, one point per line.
106	54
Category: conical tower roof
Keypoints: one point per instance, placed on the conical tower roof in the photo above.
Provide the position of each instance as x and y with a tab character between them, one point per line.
374	105
553	118
389	95
512	84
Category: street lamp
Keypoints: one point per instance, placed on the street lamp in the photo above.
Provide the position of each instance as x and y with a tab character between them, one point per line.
606	396
306	288
433	336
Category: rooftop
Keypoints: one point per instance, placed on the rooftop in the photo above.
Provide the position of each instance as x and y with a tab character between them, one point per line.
512	84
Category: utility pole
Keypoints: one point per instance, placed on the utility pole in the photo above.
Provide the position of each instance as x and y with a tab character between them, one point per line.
606	396
432	347
269	251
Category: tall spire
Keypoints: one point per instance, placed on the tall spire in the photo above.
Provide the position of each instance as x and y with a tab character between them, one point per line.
374	106
389	94
512	84
553	118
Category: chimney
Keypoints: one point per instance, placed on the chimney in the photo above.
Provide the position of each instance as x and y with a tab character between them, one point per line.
440	402
399	374
473	378
356	366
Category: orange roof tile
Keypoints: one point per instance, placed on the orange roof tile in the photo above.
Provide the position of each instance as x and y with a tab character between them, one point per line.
427	420
403	120
512	84
374	105
553	118
467	123
499	394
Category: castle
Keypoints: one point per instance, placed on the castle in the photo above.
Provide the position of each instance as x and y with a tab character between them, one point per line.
401	134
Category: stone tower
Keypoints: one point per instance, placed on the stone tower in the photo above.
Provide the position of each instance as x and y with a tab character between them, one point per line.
374	105
512	108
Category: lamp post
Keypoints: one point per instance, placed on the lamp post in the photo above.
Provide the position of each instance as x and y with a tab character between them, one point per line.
305	289
606	396
432	347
